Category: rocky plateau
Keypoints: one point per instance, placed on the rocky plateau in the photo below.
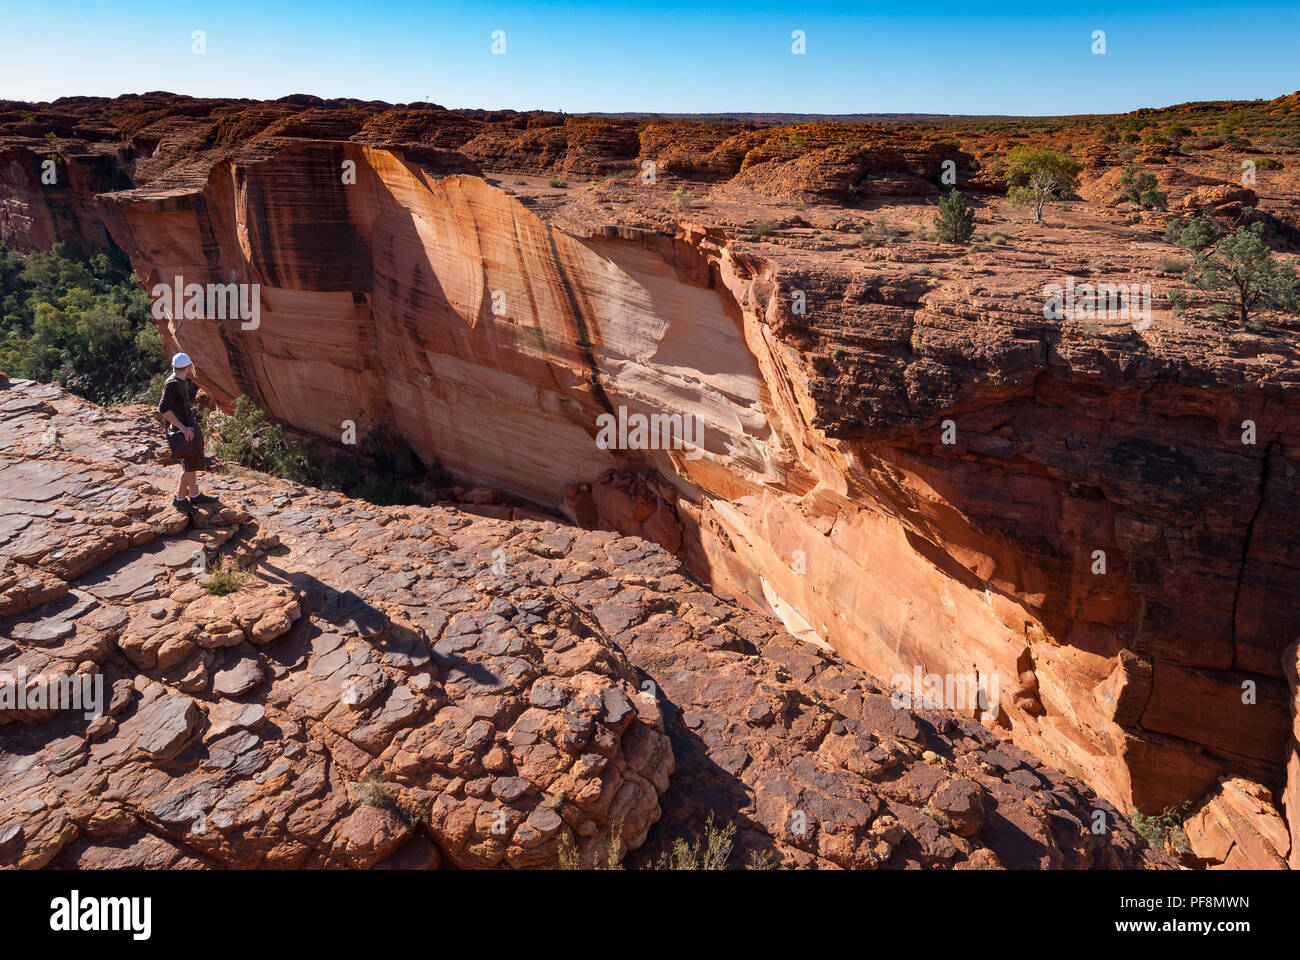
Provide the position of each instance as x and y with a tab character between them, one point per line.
711	630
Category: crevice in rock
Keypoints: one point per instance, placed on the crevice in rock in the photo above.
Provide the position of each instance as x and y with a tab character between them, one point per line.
1250	532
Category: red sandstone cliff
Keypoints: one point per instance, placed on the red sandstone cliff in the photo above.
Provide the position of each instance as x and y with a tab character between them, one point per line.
825	494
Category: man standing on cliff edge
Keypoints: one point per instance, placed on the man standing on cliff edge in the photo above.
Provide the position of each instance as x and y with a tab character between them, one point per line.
186	439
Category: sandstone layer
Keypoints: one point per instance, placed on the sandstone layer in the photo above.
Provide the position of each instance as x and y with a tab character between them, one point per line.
414	687
415	274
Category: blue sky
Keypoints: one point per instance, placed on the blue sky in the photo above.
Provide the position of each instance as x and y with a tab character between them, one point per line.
662	55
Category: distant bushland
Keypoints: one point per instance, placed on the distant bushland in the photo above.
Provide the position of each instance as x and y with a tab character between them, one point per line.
83	324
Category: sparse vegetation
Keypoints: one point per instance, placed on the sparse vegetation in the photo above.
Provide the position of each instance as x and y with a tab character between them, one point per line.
709	852
225	577
373	792
938	816
765	228
559	184
682	197
247	437
1158	828
1140	188
874	234
955	222
607	856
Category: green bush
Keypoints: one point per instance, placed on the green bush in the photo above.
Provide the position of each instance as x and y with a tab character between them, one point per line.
248	438
227	577
1194	233
956	220
1141	188
1156	828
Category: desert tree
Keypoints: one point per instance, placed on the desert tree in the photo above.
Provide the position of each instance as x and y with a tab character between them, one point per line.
1035	176
1239	264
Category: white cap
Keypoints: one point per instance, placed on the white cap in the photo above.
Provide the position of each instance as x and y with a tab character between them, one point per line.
181	361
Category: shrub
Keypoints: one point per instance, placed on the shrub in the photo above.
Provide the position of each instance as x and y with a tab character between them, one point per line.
608	856
682	197
373	792
1171	265
710	852
226	577
765	228
559	183
1141	188
1167	825
956	220
874	234
247	437
1178	300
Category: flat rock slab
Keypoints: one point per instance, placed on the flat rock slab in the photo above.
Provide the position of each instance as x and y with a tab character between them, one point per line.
165	724
35	480
123	576
239	679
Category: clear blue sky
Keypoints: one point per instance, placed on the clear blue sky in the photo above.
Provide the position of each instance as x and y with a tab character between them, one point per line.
662	55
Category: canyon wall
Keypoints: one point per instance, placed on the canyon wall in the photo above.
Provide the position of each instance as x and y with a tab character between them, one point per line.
493	339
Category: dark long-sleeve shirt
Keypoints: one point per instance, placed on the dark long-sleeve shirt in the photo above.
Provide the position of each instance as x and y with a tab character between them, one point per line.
176	397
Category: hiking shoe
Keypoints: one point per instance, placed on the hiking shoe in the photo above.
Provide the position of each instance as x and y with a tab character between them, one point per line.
203	498
183	505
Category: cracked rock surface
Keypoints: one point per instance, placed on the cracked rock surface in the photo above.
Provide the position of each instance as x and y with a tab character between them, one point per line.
415	687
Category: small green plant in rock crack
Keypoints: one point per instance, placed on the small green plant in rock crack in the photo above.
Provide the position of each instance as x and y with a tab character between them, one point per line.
1167	825
227	577
606	856
938	816
371	791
